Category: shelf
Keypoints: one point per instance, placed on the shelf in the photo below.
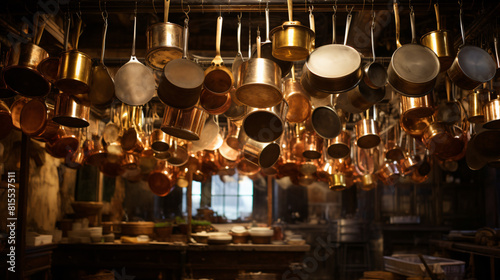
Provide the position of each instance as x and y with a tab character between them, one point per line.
468	248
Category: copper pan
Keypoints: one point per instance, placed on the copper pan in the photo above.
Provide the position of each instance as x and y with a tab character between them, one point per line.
65	143
71	112
325	119
131	141
48	68
76	159
236	110
415	127
21	75
215	104
448	142
265	125
15	109
410	161
417	107
147	151
232	137
5	120
218	78
246	167
160	141
95	152
492	114
185	124
287	163
75	68
299	104
208	164
259	82
368	182
340	146
194	164
35	121
111	168
209	133
264	155
178	152
228	152
130	161
308	166
393	144
477	100
389	173
225	166
313	145
367	136
165	41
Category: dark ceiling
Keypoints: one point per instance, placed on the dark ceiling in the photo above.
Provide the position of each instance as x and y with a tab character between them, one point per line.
480	22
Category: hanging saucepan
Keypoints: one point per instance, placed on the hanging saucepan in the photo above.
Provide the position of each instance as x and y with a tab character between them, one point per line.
164	42
267	50
182	79
472	66
49	68
482	148
410	161
66	142
324	117
228	152
130	140
449	111
178	152
16	109
95	152
160	141
330	173
368	182
238	60
299	104
448	142
415	126
5	120
393	144
367	136
389	173
340	146
416	107
313	145
492	114
265	125
130	161
21	75
309	166
35	120
236	110
102	88
413	69
291	41
262	154
134	82
259	83
310	89
347	73
246	167
208	164
71	112
218	78
477	100
185	124
215	104
440	42
233	132
76	159
75	68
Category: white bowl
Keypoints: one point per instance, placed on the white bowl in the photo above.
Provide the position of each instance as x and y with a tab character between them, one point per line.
261	231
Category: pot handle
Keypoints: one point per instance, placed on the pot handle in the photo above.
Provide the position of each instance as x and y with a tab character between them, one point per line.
396	22
238	33
372	29
39	27
76	37
267	22
258	44
104	32
66	33
312	24
462	26
135	30
290	10
218	36
495	43
165	10
347	27
334	18
412	24
438	21
186	36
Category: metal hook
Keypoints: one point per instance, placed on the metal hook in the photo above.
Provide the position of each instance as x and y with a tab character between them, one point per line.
239	17
79	13
335	7
135	9
347	9
104	13
154	8
310	9
186	13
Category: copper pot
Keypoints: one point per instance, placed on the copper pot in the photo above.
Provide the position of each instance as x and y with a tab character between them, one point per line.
477	100
76	159
246	167
215	104
415	127
393	145
232	137
130	161
228	152
313	145
160	141
16	109
178	152
389	173
164	42
448	142
65	143
161	180
367	133
417	107
299	104
265	125
225	166
492	114
264	155
95	152
259	82
35	120
185	124
131	141
340	146
71	112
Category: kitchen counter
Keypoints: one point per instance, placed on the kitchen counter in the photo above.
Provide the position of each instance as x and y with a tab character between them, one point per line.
172	261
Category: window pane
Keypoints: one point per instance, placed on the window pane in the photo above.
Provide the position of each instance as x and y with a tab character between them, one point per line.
230	209
245	207
231	188
217	186
246	186
196	188
218	204
196	203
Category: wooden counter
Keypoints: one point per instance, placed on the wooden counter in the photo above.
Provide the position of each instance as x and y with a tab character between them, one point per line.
172	261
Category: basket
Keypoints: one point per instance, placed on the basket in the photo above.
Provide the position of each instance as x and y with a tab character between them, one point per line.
410	265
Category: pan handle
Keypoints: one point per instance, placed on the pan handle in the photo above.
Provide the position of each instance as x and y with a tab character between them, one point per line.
334	18
218	36
66	33
166	8
290	10
462	26
135	31
39	27
495	43
238	35
267	22
186	36
412	23
312	24
76	37
372	29
258	44
438	21
347	27
104	32
396	22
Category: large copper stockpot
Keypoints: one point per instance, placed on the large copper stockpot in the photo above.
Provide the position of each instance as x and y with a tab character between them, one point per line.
164	42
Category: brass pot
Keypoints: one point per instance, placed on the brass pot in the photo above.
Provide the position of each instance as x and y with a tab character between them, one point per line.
264	155
164	43
185	124
440	42
477	100
71	112
417	107
259	83
368	182
492	114
160	141
367	133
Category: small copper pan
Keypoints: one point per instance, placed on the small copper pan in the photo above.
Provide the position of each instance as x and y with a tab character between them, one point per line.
35	120
95	153
313	145
15	109
445	141
232	137
130	140
264	155
340	146
265	125
299	104
228	152
417	107
160	141
415	127
246	167
367	136
389	173
185	124
65	143
208	164
225	166
71	112
215	104
178	152
130	161
393	144
76	159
